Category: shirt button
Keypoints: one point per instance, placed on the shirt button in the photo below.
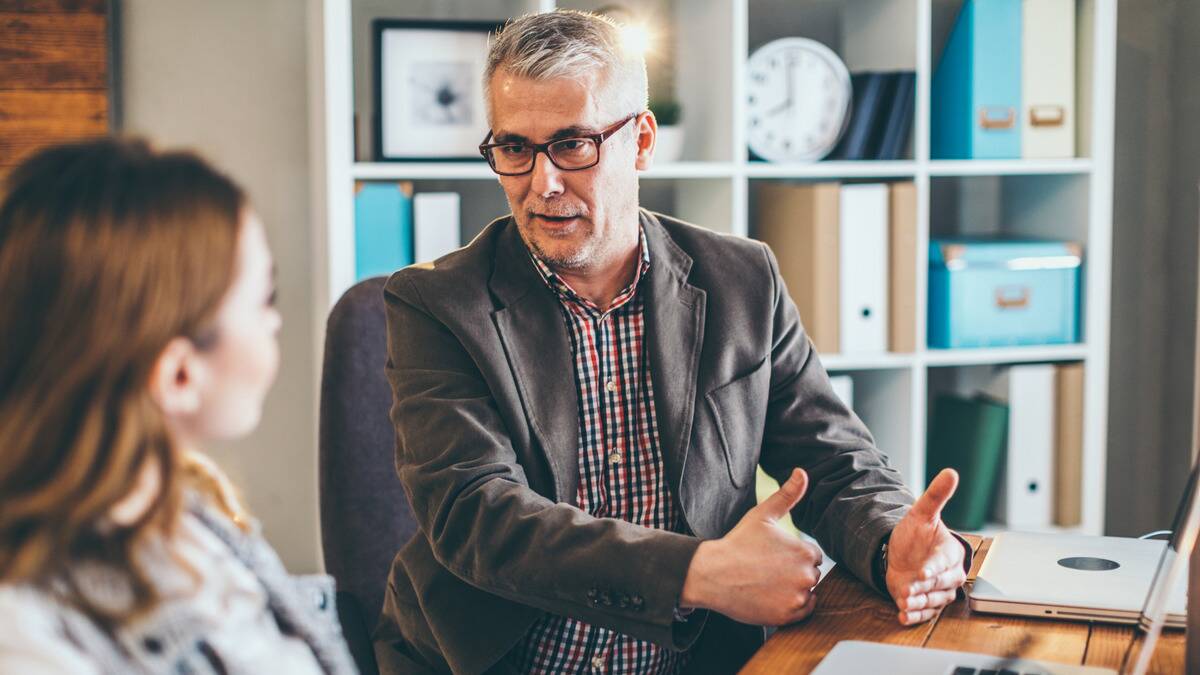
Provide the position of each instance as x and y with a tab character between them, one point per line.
598	663
614	458
610	386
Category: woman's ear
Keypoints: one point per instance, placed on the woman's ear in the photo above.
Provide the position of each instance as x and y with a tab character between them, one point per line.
647	132
176	380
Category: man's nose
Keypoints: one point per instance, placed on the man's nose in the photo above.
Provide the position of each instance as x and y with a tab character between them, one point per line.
546	178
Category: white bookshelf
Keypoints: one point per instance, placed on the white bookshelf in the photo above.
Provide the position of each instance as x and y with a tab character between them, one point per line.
714	184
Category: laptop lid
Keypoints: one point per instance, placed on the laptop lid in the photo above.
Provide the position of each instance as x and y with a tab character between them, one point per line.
1172	569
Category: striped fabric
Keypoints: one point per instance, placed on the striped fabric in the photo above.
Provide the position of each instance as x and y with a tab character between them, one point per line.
621	472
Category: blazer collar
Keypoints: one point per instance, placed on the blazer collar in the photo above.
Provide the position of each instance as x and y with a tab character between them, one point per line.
538	349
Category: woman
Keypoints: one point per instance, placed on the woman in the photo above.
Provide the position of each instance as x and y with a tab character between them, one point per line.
138	322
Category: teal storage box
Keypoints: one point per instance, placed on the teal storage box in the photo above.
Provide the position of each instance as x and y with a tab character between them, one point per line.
977	85
988	293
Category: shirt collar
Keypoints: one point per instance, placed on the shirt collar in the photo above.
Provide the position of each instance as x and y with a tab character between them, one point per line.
566	293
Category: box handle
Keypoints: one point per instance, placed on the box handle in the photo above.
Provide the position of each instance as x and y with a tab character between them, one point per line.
997	117
1047	116
1012	297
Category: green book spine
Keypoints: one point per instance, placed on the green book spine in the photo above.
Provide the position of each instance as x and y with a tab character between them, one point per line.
969	436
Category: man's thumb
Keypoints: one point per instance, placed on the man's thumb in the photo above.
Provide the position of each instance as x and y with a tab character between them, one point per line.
785	499
941	488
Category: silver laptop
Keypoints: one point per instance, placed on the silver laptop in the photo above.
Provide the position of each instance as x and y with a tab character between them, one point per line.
1159	595
1077	577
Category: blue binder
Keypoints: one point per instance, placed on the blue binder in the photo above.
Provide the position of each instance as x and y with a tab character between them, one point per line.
977	85
383	231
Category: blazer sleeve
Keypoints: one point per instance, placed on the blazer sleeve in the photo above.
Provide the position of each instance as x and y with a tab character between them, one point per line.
483	521
854	498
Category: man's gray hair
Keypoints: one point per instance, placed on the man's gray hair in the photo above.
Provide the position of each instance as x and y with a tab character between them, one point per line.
570	44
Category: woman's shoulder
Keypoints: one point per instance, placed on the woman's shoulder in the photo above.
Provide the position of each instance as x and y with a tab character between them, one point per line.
35	637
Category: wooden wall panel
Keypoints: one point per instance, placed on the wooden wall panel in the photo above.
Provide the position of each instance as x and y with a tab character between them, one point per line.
54	74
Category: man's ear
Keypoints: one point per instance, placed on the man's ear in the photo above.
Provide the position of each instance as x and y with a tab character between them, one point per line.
175	381
647	134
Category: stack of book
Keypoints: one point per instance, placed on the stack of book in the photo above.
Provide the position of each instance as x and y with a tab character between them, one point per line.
847	254
880	117
394	228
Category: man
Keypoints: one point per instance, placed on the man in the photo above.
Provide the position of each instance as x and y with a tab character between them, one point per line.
582	396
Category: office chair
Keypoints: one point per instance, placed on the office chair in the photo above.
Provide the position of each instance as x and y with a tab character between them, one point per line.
365	513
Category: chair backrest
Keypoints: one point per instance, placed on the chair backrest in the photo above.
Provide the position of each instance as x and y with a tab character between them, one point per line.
365	513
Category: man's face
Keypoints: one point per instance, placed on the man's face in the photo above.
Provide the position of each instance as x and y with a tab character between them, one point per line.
577	221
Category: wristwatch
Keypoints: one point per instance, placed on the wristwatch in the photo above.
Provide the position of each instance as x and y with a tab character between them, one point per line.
879	566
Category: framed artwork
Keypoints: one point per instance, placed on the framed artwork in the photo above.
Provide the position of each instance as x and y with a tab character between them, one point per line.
429	89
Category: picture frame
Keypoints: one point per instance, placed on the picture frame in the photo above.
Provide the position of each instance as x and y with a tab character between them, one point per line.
429	102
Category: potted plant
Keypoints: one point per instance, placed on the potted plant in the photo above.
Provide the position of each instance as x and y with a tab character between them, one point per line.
669	146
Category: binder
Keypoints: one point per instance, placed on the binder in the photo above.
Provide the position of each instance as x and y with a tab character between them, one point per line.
897	124
383	236
1025	489
977	85
967	435
902	267
1068	459
863	268
1048	78
800	223
436	224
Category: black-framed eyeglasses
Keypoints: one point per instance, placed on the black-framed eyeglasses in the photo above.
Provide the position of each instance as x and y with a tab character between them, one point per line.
569	154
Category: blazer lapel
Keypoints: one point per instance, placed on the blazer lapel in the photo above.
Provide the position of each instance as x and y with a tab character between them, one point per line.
535	342
674	338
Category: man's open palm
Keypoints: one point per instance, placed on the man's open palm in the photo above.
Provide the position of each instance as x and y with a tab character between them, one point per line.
925	561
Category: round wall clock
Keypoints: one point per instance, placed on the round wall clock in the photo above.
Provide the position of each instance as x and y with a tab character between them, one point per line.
797	100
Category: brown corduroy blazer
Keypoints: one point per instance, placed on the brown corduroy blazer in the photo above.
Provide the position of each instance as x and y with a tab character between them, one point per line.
486	415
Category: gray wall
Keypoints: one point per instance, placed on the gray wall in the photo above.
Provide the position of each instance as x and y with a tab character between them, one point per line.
1155	210
228	77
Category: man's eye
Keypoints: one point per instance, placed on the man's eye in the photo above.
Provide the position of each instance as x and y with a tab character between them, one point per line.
513	150
571	145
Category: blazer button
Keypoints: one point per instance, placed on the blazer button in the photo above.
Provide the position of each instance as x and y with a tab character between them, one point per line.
606	599
638	603
592	596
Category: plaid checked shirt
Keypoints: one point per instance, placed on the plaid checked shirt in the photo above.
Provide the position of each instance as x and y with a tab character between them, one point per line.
621	473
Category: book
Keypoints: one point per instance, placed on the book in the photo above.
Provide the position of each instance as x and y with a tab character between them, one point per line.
800	223
436	226
1068	456
863	268
868	92
902	268
383	234
967	435
897	123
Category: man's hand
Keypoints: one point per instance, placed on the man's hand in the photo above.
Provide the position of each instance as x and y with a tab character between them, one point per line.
925	561
759	573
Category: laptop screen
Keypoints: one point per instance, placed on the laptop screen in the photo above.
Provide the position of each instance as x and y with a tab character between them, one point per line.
1172	571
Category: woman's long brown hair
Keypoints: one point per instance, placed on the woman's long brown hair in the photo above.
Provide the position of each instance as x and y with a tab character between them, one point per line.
108	250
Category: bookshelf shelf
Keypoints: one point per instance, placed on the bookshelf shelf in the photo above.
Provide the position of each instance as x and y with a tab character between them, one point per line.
422	170
1004	355
855	169
1009	167
705	48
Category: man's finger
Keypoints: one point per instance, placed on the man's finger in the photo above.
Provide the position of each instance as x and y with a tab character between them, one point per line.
785	499
917	616
931	600
941	489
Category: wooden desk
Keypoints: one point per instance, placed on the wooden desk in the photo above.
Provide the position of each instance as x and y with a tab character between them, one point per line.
849	610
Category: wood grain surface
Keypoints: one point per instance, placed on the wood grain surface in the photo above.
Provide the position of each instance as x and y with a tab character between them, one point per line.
847	609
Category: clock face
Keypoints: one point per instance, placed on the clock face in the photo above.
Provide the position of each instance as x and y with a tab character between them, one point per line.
797	100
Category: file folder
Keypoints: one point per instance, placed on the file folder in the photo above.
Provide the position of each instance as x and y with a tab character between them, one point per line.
1048	79
863	268
977	85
